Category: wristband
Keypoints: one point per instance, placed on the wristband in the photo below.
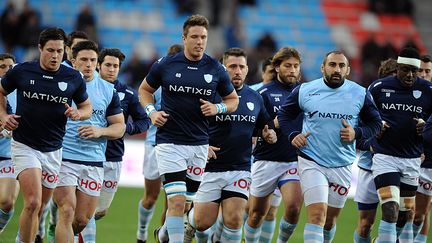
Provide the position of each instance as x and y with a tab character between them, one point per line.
149	109
221	108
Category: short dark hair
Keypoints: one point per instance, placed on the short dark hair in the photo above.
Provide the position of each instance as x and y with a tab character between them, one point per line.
77	34
337	52
176	48
426	58
265	63
84	45
388	67
235	51
51	34
195	20
285	53
115	52
4	56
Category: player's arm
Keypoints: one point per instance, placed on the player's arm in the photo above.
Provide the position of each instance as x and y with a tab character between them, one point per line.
85	109
145	91
8	121
231	101
370	118
140	122
289	111
229	104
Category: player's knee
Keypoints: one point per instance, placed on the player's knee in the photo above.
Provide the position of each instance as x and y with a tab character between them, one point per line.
292	213
271	214
80	223
255	216
365	226
202	223
317	217
7	204
149	202
32	205
100	214
390	211
233	221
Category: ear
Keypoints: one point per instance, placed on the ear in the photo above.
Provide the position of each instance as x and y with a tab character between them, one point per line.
73	61
322	68
348	71
40	47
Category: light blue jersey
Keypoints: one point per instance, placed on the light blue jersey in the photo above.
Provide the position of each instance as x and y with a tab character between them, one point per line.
5	143
151	132
365	160
105	103
323	110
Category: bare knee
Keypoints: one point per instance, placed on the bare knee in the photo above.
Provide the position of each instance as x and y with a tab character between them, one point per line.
149	201
32	205
66	212
365	226
176	205
271	214
233	221
256	215
80	223
7	204
390	211
292	213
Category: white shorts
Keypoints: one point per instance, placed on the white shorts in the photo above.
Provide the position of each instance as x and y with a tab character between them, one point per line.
25	157
174	158
213	183
150	166
366	191
268	175
425	182
87	179
408	168
111	176
329	185
7	169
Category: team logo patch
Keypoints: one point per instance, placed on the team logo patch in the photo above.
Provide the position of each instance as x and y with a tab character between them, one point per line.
250	105
121	95
208	78
417	94
62	86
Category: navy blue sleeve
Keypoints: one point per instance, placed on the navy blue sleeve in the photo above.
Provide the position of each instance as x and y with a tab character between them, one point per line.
289	112
114	107
8	108
427	131
80	94
140	122
370	118
8	82
263	116
153	77
225	86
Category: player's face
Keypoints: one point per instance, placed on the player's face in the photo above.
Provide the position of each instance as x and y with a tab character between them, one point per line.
237	69
5	65
51	55
425	71
407	74
289	70
69	49
85	62
109	68
195	42
335	69
267	75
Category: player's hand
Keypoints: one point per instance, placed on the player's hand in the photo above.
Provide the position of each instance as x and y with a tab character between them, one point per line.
300	140
420	124
347	133
212	152
384	127
72	112
5	133
208	108
10	122
269	135
159	118
89	132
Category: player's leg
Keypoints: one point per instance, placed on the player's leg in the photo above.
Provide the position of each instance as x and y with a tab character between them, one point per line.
152	185
291	193
8	192
423	205
367	202
269	224
65	199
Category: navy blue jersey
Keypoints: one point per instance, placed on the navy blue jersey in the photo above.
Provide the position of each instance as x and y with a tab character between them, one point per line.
274	95
427	143
183	83
138	123
398	107
233	132
41	98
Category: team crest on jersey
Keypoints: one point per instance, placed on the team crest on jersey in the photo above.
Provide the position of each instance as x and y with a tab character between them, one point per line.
417	94
62	86
121	95
250	105
208	78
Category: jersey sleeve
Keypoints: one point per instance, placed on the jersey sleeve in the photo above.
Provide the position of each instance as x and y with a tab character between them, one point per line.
225	86
289	111
263	116
9	81
370	118
154	77
80	94
427	131
114	107
140	122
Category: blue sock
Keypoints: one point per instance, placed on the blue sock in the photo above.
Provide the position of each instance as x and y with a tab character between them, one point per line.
285	230
420	238
175	229
201	236
386	232
329	234
407	233
144	217
416	229
251	234
231	235
359	239
313	233
267	230
5	218
89	232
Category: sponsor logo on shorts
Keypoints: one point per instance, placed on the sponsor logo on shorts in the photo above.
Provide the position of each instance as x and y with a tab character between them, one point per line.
92	185
110	184
292	171
7	170
195	170
341	190
425	185
242	184
51	178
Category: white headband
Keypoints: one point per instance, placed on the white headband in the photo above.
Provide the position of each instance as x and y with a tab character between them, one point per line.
409	60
